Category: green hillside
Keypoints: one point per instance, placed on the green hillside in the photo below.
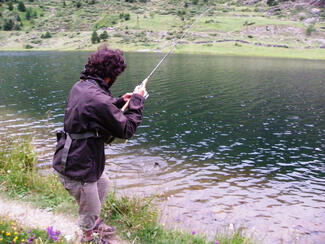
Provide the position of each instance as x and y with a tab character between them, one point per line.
265	28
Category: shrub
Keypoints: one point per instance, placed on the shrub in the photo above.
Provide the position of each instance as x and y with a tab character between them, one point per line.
28	46
78	4
8	25
36	41
271	2
17	27
46	35
127	16
28	14
103	36
94	38
21	7
310	30
195	2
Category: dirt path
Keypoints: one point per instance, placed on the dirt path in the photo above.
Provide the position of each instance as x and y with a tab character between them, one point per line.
32	217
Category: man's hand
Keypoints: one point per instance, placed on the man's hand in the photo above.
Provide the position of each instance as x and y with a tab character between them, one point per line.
126	97
140	90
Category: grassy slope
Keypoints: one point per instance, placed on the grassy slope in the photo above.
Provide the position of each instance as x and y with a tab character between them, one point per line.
153	25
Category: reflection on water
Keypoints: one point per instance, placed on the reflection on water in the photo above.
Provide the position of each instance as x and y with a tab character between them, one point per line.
224	139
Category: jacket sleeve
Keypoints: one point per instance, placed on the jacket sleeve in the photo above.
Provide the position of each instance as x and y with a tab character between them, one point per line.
107	114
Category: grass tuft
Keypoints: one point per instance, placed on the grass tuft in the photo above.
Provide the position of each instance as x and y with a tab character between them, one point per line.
19	177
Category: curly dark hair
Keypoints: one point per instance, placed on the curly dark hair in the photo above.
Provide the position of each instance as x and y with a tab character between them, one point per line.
105	63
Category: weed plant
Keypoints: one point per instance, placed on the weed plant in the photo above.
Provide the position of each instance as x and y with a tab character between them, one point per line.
12	232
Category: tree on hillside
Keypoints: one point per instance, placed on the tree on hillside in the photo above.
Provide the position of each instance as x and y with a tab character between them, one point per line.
28	14
21	7
8	25
78	4
94	38
10	6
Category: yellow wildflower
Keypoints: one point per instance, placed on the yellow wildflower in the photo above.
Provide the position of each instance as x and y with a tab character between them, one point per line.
8	233
15	233
15	239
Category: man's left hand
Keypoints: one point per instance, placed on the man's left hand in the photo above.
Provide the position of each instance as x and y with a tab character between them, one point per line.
126	97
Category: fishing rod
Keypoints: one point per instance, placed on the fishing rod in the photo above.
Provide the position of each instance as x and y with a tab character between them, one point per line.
145	81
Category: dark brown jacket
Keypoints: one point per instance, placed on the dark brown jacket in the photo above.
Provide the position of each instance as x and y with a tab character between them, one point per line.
91	107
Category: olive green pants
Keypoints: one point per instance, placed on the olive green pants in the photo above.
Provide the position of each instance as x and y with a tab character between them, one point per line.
90	198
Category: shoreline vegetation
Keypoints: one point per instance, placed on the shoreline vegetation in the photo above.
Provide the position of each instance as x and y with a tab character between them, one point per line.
136	218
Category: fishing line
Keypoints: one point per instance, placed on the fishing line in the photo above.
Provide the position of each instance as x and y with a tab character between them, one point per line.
145	81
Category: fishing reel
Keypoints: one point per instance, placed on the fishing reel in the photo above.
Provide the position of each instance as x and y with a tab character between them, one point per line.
143	85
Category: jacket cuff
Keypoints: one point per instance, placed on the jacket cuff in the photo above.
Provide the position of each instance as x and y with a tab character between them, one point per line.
137	100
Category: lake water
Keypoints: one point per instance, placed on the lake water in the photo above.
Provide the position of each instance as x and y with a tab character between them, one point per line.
224	141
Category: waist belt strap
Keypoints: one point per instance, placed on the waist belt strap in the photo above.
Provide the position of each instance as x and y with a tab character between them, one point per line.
68	141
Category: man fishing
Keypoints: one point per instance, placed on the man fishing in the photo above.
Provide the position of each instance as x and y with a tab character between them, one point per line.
92	117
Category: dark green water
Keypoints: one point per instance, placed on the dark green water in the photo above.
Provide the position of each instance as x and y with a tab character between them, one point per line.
235	140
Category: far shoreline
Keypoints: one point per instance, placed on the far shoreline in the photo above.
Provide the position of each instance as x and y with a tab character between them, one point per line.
228	49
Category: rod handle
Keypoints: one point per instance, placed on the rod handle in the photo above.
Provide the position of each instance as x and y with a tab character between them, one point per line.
125	106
